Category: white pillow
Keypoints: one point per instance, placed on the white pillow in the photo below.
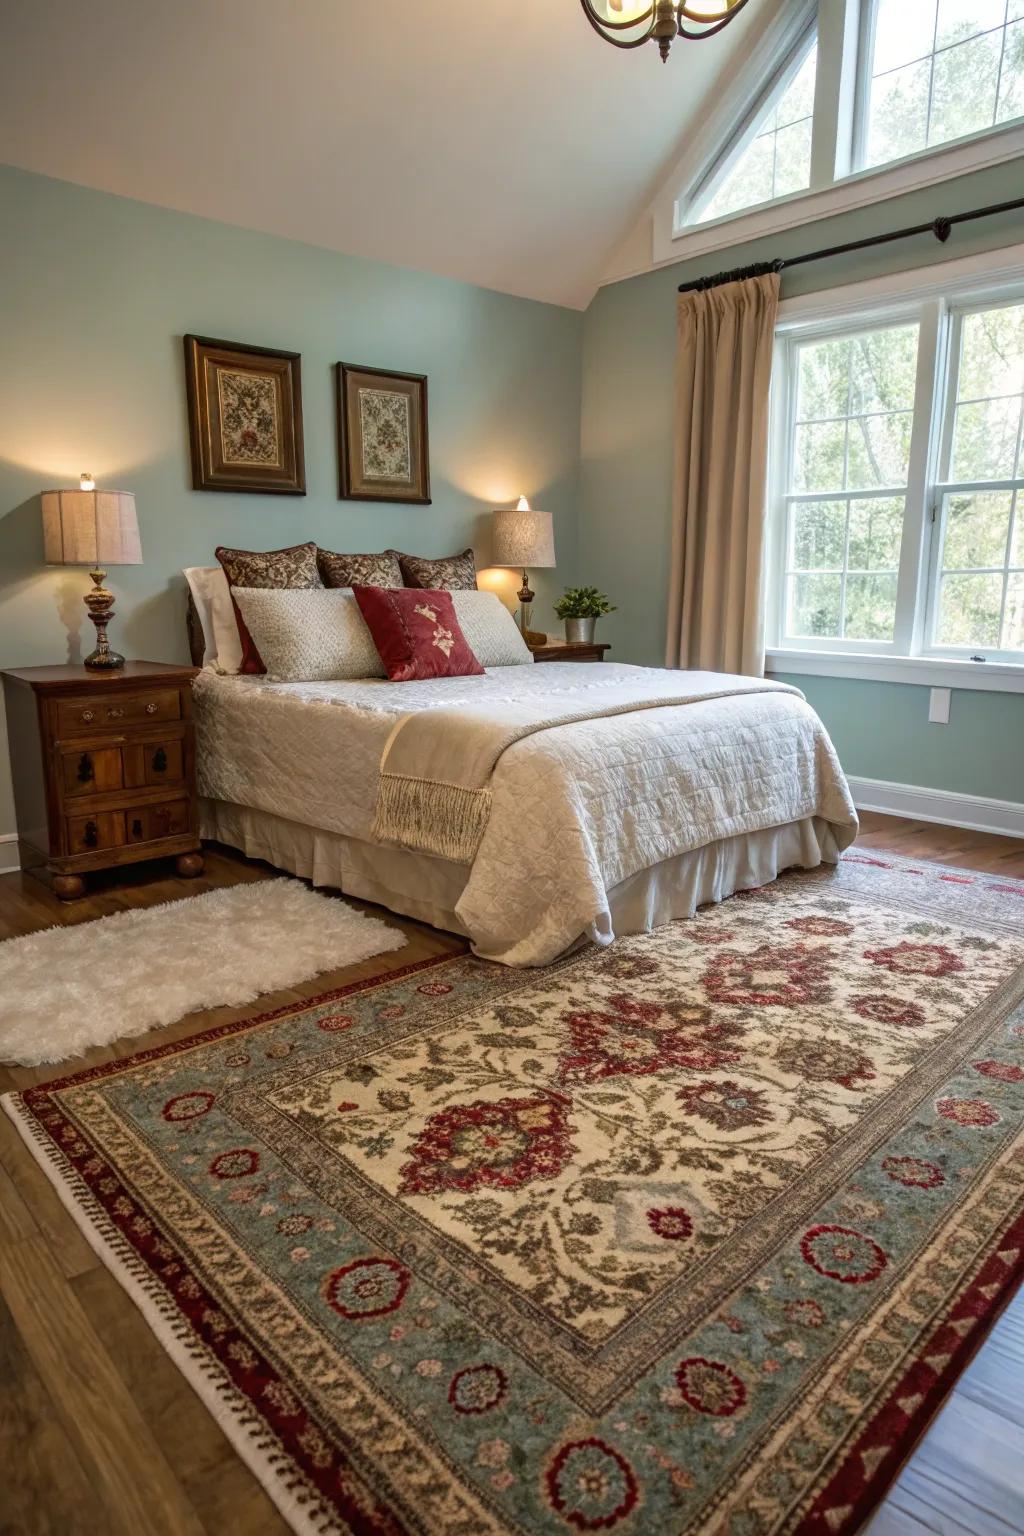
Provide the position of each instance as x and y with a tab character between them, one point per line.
309	634
212	597
491	631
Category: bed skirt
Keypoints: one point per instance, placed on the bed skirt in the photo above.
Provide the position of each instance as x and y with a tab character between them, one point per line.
428	889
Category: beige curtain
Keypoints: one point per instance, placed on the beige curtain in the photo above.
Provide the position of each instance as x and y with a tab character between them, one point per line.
716	591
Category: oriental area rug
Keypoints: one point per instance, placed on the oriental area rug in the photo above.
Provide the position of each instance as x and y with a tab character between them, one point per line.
692	1234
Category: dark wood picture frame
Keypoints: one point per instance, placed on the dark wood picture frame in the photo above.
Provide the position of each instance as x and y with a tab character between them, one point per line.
271	407
355	482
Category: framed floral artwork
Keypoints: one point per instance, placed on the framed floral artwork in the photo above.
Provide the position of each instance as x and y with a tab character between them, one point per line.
382	435
244	417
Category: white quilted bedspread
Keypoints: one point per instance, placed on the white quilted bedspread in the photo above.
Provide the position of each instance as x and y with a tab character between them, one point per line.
575	809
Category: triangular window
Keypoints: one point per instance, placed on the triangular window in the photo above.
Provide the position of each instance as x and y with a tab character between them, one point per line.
773	156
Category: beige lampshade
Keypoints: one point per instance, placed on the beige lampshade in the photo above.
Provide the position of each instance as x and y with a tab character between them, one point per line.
94	528
523	538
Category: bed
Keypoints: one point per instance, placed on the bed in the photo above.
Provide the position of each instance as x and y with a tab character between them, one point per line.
607	824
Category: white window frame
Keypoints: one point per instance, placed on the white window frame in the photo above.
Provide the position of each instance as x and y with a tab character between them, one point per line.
838	185
935	299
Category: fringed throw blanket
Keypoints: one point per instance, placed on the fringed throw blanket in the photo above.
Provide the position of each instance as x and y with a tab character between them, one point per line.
435	772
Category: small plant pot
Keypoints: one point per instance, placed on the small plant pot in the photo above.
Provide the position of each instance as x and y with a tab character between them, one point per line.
580	631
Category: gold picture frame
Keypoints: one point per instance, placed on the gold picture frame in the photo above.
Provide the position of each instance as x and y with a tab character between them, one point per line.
383	449
244	417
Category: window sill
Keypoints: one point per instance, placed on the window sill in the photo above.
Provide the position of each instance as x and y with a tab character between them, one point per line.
923	671
672	243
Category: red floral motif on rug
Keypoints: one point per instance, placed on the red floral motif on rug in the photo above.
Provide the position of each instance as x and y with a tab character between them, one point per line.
501	1145
638	1039
771	977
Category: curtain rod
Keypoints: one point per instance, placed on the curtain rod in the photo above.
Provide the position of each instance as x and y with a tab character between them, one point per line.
941	228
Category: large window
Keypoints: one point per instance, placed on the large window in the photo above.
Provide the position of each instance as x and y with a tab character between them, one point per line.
939	70
898	479
777	158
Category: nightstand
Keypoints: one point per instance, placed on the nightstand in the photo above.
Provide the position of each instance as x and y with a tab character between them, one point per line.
103	767
568	650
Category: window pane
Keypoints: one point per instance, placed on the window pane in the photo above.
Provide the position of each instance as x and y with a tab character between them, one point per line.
985	439
904	31
898	113
1013	619
1017	538
876	533
976	530
992	353
820	454
870	607
814	603
879	451
749	182
792	158
819	535
778	160
883	368
1011	84
964	88
969	610
959	19
824	380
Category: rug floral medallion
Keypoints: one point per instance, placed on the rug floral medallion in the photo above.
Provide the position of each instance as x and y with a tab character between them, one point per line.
691	1234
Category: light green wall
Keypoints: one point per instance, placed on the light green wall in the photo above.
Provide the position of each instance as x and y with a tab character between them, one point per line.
95	295
626	483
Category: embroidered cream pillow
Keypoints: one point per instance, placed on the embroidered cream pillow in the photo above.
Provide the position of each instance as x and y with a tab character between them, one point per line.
309	635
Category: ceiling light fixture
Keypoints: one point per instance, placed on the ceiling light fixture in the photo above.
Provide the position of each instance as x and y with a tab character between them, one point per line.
631	23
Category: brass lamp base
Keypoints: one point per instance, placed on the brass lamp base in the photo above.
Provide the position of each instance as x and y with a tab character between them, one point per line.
100	604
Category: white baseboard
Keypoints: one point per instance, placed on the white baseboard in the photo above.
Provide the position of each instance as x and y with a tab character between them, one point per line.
975	813
9	845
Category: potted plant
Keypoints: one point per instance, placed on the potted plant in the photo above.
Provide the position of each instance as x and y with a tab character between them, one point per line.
581	607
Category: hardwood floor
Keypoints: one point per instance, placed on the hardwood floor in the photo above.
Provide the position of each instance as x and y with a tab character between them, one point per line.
99	1433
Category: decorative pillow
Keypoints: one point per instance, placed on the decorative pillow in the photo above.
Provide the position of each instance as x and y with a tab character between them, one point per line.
491	632
416	633
452	574
309	634
212	597
381	570
280	568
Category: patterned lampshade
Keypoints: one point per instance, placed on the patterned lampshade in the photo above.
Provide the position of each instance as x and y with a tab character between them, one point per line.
90	527
523	538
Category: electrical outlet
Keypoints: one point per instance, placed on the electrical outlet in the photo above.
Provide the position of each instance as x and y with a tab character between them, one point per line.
938	706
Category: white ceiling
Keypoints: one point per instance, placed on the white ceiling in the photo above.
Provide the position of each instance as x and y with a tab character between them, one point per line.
501	143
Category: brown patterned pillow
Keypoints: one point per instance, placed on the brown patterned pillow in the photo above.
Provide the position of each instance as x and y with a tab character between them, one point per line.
381	570
452	574
294	567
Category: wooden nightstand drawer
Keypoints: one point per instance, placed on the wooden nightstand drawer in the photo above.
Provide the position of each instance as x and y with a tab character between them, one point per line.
91	770
158	760
150	823
114	713
103	829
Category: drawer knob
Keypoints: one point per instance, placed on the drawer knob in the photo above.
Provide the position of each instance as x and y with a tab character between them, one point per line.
85	769
136	827
115	712
151	709
92	834
87	715
159	761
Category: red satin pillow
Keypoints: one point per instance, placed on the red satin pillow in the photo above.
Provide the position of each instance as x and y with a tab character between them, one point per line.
416	633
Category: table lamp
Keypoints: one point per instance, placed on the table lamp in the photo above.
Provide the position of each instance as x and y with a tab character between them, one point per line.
522	537
96	529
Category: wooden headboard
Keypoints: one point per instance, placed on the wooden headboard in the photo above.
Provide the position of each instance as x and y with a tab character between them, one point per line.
196	642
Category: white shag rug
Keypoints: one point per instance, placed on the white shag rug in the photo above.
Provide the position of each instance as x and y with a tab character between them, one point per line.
64	990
